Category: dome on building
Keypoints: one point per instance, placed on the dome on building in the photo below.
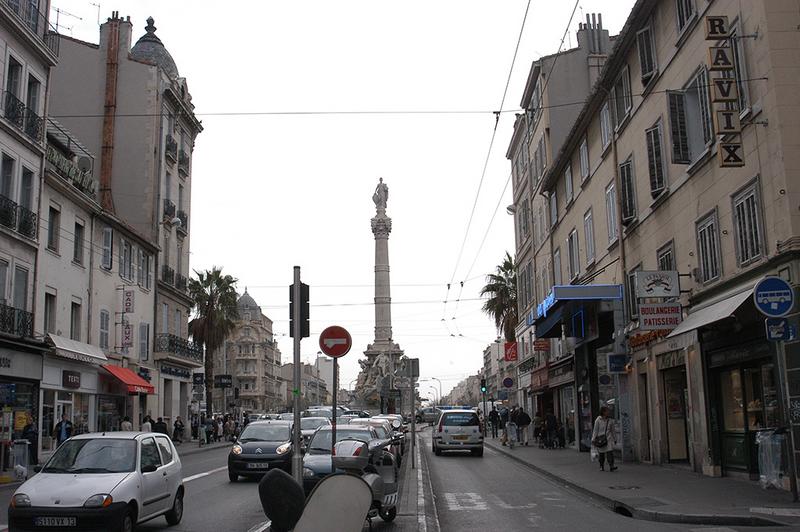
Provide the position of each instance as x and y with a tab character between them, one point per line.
149	48
247	302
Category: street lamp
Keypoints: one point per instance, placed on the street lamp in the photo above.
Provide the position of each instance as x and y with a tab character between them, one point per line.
437	400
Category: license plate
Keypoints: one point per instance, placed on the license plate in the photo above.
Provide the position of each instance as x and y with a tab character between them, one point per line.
461	437
55	521
257	465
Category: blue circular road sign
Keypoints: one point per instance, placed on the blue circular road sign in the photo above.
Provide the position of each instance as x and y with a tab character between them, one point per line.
773	297
508	382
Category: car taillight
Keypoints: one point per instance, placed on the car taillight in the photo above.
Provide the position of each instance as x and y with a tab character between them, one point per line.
441	425
357	451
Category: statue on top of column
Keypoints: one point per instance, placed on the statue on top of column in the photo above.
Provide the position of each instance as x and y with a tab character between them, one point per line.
381	195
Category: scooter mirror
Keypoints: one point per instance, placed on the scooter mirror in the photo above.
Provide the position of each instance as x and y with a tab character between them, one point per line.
282	499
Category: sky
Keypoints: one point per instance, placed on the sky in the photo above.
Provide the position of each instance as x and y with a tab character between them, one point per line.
271	191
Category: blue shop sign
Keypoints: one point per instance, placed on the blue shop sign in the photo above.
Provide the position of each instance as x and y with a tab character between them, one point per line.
578	293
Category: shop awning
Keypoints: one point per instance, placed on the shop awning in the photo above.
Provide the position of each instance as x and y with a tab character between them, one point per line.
717	311
75	350
134	382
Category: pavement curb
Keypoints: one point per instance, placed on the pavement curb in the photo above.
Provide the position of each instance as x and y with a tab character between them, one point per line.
642	513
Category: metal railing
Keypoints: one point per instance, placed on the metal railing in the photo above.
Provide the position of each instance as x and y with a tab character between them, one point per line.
181	282
181	347
16	321
26	222
169	209
183	162
28	13
8	212
184	218
171	148
167	274
16	112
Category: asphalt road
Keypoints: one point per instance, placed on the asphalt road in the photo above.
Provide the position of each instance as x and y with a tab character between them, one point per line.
497	493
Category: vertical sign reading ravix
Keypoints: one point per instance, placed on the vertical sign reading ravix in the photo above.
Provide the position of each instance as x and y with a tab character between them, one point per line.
724	93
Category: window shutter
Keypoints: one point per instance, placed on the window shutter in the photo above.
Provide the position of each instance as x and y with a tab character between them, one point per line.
646	58
677	120
628	199
655	161
108	247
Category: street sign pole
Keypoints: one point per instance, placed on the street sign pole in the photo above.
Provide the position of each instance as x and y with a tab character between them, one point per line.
334	405
297	456
413	422
335	342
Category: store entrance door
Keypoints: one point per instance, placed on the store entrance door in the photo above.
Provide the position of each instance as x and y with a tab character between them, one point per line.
675	402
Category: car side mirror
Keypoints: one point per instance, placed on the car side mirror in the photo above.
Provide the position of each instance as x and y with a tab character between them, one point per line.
149	468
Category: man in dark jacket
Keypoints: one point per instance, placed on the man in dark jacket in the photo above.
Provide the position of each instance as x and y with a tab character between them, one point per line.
161	427
503	423
523	422
494	420
63	430
550	426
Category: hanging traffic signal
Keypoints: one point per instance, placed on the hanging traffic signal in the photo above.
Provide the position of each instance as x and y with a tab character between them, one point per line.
483	385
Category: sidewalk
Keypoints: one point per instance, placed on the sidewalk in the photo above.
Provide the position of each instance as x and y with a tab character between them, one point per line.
661	493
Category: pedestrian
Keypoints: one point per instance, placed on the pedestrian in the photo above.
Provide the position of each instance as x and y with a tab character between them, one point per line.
604	438
494	420
550	428
177	430
31	433
245	419
63	430
503	423
126	424
147	424
160	426
523	422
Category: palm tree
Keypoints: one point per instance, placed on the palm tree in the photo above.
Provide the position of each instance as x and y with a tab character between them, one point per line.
214	300
501	287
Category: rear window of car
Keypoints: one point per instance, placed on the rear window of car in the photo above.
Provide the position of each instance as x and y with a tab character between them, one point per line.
460	419
166	451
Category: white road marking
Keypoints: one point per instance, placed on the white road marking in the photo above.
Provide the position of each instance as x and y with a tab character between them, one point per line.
433	495
713	529
465	501
421	523
261	527
785	512
505	506
205	474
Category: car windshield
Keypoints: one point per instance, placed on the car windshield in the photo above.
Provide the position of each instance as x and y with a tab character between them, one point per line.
311	423
381	430
460	419
266	433
101	455
322	439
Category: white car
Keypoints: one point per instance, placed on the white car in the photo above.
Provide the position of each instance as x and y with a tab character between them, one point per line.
458	430
108	481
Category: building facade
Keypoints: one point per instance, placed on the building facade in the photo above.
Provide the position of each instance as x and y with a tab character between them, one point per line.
129	105
252	358
681	164
313	388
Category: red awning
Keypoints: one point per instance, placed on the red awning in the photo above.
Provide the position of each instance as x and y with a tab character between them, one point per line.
134	382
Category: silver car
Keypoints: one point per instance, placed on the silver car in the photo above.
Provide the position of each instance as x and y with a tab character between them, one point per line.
458	430
108	481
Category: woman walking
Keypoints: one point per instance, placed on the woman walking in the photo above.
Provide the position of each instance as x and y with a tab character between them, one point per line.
604	438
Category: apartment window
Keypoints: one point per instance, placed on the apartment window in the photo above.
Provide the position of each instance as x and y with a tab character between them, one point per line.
708	248
574	255
628	197
3	281
655	160
144	341
75	321
621	95
529	282
605	125
584	156
611	212
180	197
568	185
148	270
557	266
53	229
588	235
747	224
126	260
26	189
685	12
541	157
108	248
34	90
666	257
647	54
526	228
105	320
690	120
740	66
7	176
178	322
50	313
168	186
553	208
633	301
164	318
77	243
14	77
20	288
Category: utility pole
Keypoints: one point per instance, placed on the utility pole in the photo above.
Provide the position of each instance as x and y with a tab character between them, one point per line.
299	329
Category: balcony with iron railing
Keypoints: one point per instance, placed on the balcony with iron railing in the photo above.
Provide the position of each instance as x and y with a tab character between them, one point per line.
178	349
169	209
167	274
21	117
184	218
171	148
18	218
27	12
181	283
16	321
183	162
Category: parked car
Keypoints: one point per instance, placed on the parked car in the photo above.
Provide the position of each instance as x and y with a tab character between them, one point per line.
261	446
428	415
317	460
398	426
108	481
309	425
385	432
458	430
359	413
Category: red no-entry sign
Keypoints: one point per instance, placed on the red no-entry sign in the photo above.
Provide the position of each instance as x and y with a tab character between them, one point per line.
335	341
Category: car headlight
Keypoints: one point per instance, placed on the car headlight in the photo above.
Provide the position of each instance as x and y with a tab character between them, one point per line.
20	500
283	449
237	449
308	473
101	500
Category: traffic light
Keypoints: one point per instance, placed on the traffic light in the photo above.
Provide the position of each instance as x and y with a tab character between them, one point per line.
483	385
304	311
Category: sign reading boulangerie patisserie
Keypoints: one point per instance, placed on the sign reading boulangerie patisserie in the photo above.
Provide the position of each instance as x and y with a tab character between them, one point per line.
657	316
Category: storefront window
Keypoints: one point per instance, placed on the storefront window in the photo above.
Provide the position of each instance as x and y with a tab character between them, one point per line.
732	400
109	412
18	403
54	405
568	415
770	396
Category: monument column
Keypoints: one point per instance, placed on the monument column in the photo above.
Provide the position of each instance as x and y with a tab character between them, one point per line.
381	227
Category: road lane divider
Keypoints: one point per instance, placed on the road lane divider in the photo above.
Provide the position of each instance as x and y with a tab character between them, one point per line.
205	474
